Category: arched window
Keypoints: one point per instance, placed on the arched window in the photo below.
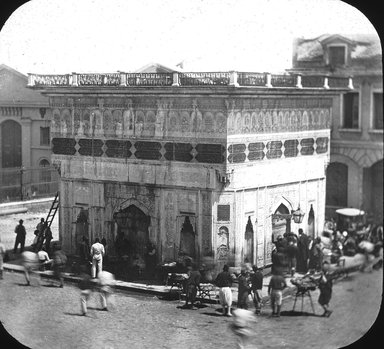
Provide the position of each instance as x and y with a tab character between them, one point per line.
10	144
45	172
337	185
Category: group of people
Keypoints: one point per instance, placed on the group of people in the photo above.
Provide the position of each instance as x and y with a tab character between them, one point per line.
296	253
44	257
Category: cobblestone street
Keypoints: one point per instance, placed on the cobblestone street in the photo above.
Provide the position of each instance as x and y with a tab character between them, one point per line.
47	317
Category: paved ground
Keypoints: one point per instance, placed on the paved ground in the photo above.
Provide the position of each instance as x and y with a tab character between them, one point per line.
47	317
31	219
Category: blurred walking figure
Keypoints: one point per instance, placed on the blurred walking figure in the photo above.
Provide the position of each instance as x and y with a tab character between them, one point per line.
224	282
30	262
243	291
97	253
316	255
192	285
20	236
367	247
2	254
243	321
59	262
106	282
275	290
257	285
86	288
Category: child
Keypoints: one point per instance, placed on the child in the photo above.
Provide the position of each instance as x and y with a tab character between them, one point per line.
325	287
86	287
275	290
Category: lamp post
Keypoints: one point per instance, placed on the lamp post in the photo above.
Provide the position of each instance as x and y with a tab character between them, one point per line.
298	215
22	169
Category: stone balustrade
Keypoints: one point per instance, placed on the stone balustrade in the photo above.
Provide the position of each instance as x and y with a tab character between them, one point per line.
191	79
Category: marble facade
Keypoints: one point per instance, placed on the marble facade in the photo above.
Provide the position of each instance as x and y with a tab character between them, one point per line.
224	157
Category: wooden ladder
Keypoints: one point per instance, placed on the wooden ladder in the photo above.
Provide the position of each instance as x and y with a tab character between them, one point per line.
53	210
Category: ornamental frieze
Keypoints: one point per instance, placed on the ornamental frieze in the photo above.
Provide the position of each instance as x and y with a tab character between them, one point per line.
208	153
205	117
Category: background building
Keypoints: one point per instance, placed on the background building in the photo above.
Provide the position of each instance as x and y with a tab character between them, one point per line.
199	163
355	174
25	150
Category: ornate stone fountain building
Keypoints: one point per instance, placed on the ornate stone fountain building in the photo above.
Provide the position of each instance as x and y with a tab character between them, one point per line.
198	163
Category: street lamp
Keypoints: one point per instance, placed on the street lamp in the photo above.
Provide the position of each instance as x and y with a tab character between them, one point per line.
298	215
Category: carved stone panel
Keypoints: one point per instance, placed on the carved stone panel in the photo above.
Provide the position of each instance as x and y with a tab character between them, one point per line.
222	251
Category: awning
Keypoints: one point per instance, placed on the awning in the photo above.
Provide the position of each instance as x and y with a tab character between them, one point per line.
350	212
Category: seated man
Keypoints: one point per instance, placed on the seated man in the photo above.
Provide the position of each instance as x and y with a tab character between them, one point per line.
44	260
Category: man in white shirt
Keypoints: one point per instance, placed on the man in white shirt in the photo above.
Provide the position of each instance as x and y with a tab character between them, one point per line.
97	253
43	259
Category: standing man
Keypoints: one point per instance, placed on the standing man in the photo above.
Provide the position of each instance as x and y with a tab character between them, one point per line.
257	285
40	235
275	290
224	282
97	253
292	255
20	236
303	252
243	291
193	283
48	239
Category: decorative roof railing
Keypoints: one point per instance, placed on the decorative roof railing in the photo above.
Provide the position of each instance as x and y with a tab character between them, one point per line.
200	79
246	79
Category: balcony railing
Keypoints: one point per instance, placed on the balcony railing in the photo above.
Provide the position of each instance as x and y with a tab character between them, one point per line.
148	79
246	79
98	79
200	79
252	79
51	80
283	80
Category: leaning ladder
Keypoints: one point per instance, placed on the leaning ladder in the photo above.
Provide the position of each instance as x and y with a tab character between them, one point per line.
53	210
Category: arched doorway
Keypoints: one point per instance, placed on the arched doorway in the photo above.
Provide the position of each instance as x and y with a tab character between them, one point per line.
337	185
82	232
10	144
281	222
187	238
311	222
373	191
249	242
132	232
